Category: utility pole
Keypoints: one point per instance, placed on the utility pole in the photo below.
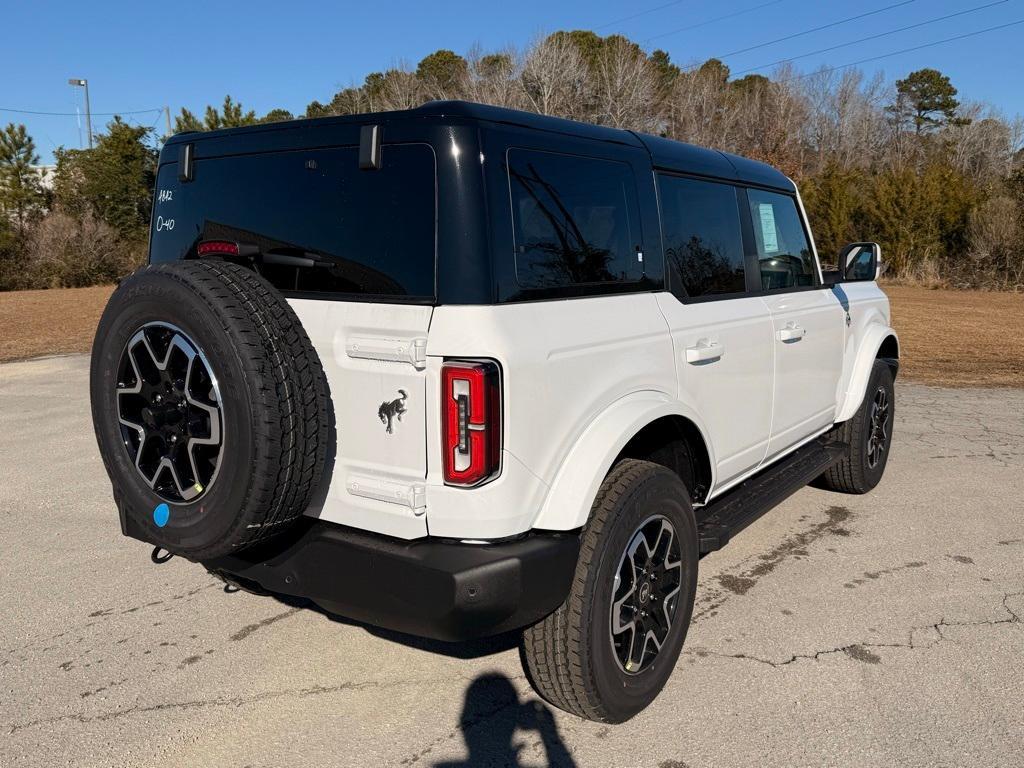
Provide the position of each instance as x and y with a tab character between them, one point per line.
82	83
167	113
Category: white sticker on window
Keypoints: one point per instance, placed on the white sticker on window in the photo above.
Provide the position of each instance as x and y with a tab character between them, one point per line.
769	235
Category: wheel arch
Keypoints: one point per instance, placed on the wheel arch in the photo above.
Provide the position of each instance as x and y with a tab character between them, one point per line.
880	343
647	425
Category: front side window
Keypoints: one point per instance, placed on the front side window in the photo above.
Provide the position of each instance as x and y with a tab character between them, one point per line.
703	240
783	253
575	220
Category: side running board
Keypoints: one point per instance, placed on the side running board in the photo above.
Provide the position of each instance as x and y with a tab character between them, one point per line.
730	513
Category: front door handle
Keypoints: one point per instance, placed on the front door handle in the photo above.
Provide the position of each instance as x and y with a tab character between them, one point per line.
704	351
791	332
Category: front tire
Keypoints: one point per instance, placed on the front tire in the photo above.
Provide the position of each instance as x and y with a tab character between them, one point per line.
609	649
869	435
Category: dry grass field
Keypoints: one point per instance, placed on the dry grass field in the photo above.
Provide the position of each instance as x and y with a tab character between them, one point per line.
959	338
53	322
948	338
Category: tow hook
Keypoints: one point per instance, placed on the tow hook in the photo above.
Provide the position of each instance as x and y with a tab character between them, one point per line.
158	558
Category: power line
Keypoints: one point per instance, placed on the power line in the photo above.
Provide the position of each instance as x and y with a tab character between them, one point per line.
639	14
872	37
72	114
827	70
818	29
713	21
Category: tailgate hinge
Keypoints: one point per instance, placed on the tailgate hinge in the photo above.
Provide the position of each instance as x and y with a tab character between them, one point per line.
412	351
412	496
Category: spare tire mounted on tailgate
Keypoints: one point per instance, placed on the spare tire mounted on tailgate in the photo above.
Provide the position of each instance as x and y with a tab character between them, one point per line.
210	406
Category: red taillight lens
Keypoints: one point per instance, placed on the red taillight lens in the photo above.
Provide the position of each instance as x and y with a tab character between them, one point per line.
217	248
471	410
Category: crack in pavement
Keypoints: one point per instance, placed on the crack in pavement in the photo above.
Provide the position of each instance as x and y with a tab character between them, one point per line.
861	651
963	433
469	723
219	701
112	613
743	576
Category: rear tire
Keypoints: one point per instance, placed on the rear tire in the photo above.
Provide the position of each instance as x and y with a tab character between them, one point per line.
869	435
574	658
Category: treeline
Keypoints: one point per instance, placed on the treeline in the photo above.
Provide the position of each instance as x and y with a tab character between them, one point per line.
937	180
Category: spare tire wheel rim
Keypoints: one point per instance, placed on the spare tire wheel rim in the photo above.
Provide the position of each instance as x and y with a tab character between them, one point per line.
644	594
170	412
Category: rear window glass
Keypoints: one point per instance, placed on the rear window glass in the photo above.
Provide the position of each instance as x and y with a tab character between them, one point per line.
318	224
703	240
575	220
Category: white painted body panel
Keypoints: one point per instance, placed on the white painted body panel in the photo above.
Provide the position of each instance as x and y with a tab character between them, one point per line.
370	464
563	364
870	324
579	378
732	392
807	342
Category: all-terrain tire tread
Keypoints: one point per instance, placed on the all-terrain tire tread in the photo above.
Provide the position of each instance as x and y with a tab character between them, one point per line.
847	475
553	649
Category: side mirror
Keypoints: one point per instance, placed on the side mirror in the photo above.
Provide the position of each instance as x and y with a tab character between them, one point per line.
858	262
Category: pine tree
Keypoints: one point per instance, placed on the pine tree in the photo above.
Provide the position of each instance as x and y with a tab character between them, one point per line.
926	98
114	180
21	191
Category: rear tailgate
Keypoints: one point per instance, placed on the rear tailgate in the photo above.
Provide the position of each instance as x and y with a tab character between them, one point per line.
374	356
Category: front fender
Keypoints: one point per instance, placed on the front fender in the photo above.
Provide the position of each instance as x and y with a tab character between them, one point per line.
871	342
568	502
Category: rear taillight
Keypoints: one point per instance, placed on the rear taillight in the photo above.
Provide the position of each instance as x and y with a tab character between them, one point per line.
471	413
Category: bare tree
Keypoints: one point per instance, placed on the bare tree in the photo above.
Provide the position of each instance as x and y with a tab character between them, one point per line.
555	78
981	143
626	87
494	78
699	110
398	88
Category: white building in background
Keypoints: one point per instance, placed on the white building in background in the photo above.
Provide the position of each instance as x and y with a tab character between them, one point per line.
46	174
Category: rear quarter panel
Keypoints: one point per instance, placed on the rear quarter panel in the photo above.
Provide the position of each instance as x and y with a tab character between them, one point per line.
563	363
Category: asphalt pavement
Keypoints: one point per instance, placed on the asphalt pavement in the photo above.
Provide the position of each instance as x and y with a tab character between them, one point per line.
836	631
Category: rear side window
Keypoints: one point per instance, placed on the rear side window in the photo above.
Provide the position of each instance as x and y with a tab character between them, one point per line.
784	255
318	224
575	219
703	240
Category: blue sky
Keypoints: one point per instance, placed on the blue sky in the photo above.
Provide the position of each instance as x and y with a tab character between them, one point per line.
271	54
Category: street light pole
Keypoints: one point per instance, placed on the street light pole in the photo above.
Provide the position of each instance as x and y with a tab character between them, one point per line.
81	82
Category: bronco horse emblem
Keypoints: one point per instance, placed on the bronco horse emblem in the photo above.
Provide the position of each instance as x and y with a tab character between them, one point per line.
389	411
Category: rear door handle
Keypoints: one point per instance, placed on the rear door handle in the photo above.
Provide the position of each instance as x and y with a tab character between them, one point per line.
704	351
791	332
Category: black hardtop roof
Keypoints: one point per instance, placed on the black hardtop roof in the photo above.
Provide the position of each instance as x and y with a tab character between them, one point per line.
665	153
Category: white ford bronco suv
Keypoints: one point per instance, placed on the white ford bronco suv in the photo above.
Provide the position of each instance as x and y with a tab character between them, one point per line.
461	370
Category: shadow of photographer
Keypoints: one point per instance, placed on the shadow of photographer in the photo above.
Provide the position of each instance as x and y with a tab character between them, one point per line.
491	715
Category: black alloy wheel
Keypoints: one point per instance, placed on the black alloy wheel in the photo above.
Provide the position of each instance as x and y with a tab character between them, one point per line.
878	438
644	597
169	407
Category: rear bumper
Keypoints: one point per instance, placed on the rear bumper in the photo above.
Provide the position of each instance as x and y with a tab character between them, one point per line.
438	589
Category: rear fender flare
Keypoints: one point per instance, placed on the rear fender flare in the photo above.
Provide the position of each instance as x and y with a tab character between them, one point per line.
572	493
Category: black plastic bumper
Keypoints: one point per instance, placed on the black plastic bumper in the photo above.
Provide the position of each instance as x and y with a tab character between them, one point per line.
432	588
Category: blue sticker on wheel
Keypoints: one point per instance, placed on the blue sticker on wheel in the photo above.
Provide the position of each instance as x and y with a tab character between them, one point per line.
161	515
